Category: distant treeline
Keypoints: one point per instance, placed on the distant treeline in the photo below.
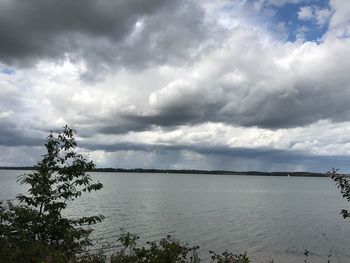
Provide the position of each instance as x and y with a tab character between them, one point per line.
188	171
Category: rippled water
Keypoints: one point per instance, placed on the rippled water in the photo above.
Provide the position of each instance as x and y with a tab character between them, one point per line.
270	217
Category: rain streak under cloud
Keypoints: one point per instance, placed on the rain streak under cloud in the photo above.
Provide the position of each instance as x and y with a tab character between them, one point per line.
231	85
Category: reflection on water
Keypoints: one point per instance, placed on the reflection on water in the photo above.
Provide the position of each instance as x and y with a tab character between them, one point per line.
266	216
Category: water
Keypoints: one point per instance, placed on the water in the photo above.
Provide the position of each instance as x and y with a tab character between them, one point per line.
269	217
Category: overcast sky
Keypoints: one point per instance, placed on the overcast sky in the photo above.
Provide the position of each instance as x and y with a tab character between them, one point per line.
225	84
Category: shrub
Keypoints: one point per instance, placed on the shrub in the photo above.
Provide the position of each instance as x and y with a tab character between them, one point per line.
167	250
228	257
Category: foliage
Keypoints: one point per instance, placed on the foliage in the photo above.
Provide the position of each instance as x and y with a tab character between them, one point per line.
167	250
228	257
35	227
344	185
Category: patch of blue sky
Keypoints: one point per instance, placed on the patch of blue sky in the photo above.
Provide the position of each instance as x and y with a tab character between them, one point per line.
7	71
282	21
296	28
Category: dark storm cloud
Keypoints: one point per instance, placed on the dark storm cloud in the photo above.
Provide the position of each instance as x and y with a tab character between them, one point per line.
122	127
264	153
12	135
172	117
104	33
272	111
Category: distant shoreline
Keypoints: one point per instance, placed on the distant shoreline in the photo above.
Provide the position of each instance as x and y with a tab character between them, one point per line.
189	171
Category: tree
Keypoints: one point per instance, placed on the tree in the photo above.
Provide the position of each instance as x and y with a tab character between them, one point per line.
35	228
344	185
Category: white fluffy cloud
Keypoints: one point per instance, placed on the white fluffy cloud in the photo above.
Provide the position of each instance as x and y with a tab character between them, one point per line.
340	21
319	15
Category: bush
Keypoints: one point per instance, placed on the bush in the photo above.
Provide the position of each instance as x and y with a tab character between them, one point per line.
228	257
167	250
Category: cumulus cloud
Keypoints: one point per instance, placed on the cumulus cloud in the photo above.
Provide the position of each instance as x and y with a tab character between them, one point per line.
320	16
290	85
341	14
306	13
339	23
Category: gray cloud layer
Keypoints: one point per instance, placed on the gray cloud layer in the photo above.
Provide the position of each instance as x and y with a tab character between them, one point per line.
103	33
266	89
242	84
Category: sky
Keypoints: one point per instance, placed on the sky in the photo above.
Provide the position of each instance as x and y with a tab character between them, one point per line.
188	84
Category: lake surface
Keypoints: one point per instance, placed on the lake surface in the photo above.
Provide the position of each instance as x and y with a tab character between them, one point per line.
269	217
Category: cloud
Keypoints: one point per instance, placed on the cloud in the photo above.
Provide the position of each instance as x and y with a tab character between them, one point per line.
196	83
306	13
246	82
18	132
289	85
339	24
320	16
218	146
212	146
283	2
309	140
19	155
341	14
103	34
